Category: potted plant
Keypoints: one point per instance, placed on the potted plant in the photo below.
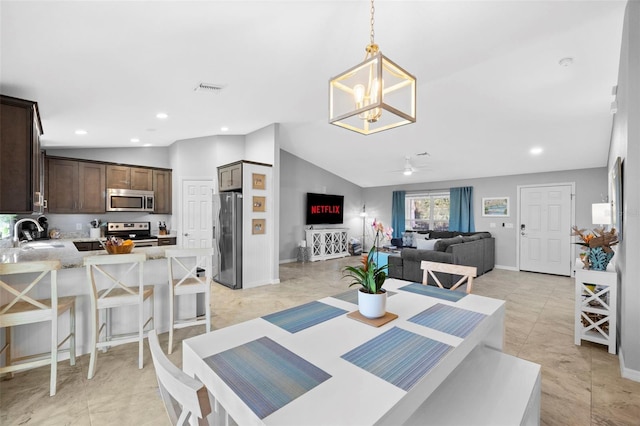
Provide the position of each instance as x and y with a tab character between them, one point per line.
372	298
597	245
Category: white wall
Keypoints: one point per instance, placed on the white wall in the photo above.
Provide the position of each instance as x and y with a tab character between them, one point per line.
625	143
199	158
259	145
591	185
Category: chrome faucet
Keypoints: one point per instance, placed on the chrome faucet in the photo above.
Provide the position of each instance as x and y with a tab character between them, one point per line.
16	239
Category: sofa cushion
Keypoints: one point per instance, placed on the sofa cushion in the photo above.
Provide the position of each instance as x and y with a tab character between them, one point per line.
425	244
444	243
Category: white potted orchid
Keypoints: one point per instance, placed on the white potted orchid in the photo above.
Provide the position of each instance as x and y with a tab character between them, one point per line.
372	298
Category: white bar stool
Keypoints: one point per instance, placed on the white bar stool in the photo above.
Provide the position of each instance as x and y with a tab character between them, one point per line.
116	293
183	279
24	308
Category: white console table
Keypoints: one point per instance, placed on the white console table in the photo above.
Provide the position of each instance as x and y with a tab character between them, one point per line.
596	301
329	243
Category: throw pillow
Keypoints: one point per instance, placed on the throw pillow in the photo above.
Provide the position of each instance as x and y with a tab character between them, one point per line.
426	244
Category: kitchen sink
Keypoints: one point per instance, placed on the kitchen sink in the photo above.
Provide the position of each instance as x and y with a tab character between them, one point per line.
39	245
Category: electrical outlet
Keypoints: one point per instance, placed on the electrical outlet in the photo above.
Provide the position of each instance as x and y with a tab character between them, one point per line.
78	227
492	225
509	225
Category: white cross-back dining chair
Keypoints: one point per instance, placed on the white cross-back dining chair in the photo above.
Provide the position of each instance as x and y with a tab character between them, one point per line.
185	399
184	265
466	273
116	281
25	283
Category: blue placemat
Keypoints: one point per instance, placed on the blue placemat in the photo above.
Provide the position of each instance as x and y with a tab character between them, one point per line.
351	296
449	319
304	316
265	375
398	356
431	291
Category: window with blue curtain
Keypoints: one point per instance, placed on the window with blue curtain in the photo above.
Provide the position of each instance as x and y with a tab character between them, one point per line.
461	214
397	213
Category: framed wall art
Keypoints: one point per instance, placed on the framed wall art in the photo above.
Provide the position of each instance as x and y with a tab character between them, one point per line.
259	204
259	181
615	196
495	207
258	226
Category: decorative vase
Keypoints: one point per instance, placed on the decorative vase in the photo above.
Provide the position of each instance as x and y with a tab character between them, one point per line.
372	305
599	259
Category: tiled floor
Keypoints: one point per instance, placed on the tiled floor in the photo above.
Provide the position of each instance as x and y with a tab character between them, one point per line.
581	385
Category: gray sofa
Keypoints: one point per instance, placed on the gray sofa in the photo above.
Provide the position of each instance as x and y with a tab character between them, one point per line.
458	248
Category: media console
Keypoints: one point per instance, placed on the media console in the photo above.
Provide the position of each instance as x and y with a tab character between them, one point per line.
328	243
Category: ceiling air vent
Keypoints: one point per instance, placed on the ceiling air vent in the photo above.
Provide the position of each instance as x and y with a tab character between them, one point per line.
209	88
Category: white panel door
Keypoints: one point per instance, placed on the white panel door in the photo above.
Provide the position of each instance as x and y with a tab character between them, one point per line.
197	219
545	229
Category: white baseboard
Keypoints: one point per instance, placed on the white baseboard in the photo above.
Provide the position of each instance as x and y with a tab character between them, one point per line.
508	268
625	372
287	261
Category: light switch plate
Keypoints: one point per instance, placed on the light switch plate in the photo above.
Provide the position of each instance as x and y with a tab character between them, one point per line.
508	225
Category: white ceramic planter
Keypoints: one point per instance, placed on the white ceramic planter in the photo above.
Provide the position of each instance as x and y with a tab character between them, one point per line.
372	305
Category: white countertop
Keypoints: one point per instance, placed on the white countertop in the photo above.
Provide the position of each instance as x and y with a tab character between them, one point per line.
64	251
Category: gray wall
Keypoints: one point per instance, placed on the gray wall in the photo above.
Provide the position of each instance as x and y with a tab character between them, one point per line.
297	177
591	186
138	156
625	143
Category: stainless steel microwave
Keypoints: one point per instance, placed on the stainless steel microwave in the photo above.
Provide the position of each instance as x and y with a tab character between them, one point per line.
129	200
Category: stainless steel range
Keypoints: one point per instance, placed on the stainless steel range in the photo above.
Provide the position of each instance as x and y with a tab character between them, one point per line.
138	232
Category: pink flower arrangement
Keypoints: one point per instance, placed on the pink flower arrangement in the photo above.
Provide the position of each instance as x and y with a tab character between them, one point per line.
380	230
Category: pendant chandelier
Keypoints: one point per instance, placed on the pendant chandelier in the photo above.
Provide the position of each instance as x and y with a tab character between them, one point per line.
374	95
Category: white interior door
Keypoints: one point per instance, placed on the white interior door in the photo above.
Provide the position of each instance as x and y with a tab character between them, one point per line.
197	219
545	229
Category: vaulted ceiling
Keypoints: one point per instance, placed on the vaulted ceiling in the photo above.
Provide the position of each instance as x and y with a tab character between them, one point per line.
490	86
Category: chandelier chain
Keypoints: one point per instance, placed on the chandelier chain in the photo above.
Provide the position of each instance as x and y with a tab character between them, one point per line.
372	34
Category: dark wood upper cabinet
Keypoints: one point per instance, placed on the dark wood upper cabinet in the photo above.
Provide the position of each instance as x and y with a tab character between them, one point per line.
80	186
141	179
91	188
125	177
75	186
21	183
162	191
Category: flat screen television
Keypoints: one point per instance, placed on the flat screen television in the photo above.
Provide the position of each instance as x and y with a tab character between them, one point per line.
323	209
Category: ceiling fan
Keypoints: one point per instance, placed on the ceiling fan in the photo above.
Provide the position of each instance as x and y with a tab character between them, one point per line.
409	169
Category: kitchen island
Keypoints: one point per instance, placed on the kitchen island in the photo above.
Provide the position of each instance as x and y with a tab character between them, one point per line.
72	281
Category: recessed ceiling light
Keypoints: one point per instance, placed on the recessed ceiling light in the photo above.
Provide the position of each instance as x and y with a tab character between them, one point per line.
147	144
535	151
134	140
224	129
81	132
565	62
162	115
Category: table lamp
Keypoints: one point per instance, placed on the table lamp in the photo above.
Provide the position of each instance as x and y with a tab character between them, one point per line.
601	214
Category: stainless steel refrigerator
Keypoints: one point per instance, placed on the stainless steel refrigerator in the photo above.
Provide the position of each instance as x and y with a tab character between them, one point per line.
227	219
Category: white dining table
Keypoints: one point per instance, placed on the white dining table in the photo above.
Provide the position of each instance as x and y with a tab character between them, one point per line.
352	383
